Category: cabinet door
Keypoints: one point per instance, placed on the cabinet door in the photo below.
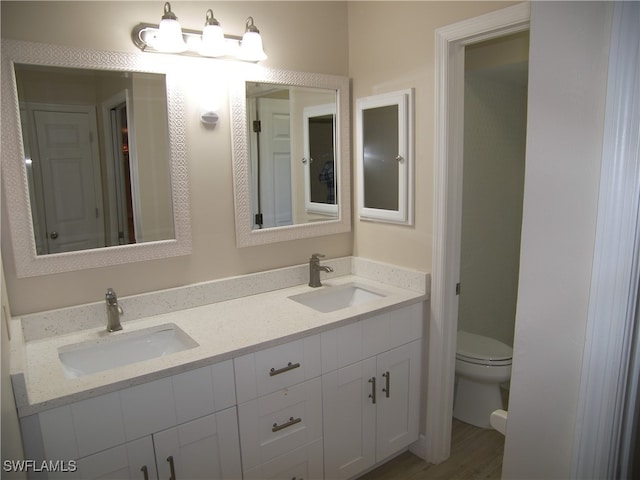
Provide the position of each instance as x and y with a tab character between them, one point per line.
207	448
127	461
349	416
398	399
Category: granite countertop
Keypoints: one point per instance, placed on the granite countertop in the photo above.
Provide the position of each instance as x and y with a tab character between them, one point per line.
223	330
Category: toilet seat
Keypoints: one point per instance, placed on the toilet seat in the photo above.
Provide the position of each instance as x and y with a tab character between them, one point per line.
481	350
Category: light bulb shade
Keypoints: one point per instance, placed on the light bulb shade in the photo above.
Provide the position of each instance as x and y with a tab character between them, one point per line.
251	47
213	42
169	38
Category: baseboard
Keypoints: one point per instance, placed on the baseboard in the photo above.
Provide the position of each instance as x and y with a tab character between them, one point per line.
419	447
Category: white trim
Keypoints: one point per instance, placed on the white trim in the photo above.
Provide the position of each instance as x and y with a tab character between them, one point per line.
449	97
614	282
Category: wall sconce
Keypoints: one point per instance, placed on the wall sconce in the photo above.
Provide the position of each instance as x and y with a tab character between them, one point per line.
168	37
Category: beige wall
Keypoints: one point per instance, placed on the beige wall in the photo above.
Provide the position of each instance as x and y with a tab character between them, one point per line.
304	36
391	47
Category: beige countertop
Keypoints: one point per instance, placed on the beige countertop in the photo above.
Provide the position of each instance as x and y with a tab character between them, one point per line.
223	330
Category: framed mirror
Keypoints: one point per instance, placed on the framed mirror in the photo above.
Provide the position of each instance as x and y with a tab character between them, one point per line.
94	165
290	145
384	136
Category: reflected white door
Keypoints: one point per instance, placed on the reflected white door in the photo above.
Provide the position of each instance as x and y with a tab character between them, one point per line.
275	162
69	166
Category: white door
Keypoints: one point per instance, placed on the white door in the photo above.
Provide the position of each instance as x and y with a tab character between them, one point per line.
399	399
67	156
207	448
275	162
349	419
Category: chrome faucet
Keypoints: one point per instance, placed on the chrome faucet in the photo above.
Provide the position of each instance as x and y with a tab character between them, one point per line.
315	268
113	311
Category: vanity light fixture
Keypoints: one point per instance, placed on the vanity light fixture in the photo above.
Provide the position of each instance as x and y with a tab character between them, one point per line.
168	37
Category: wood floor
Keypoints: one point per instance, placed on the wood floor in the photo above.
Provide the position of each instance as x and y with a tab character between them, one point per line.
476	454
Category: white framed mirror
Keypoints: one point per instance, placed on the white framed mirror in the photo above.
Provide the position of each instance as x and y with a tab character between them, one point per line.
273	184
384	148
94	164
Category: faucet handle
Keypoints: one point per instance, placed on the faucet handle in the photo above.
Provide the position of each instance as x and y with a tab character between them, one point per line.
317	256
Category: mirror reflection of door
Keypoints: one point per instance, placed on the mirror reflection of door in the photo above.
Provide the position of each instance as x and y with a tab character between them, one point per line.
319	160
381	169
66	178
121	159
121	220
271	138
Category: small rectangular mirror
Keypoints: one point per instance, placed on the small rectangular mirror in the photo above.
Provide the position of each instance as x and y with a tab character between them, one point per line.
384	130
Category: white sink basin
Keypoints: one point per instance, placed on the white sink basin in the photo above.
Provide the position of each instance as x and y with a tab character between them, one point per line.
120	349
329	298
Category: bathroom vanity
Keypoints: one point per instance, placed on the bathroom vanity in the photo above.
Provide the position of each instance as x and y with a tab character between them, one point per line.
292	382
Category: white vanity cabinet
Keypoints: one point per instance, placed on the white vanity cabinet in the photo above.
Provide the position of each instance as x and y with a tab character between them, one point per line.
190	416
371	401
205	448
325	406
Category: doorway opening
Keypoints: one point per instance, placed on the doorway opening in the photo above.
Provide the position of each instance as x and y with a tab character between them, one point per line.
495	117
450	52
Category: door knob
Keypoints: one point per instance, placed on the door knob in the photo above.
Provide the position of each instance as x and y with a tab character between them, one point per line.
54	235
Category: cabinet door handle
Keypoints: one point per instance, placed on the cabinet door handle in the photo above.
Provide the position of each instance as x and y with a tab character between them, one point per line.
292	421
172	467
387	388
372	395
145	472
290	366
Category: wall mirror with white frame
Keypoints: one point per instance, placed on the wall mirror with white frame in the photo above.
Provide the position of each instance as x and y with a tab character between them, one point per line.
290	142
94	165
384	136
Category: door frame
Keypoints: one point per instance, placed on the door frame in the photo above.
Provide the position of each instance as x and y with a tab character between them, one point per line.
609	391
449	97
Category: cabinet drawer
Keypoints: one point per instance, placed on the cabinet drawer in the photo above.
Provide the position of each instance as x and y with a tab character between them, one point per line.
303	463
275	368
275	424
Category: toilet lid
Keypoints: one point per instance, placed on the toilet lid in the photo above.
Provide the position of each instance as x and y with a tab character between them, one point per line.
478	347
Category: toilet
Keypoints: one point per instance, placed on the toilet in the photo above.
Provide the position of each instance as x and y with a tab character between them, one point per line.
482	364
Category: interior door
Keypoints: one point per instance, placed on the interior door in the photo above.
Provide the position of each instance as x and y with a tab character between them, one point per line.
275	162
70	175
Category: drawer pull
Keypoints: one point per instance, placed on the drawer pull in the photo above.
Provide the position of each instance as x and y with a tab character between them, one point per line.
290	366
292	421
145	472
